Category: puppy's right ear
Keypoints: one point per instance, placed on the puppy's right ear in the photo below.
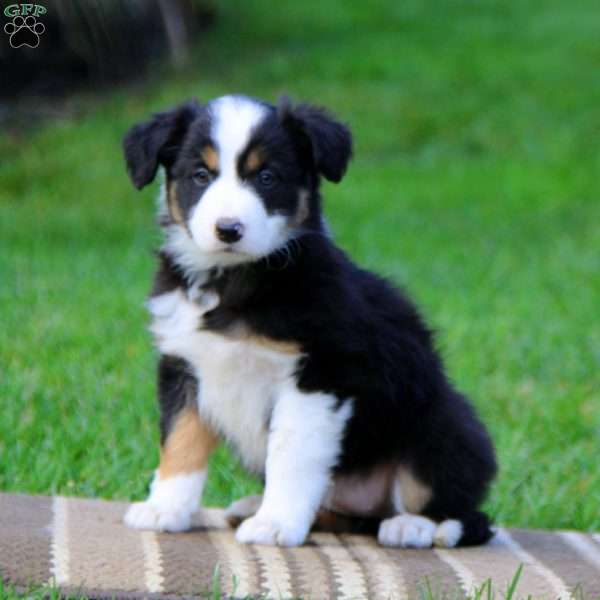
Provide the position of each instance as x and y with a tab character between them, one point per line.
157	141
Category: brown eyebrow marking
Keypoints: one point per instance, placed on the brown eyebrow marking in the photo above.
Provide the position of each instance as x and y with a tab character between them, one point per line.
173	204
174	207
210	157
254	160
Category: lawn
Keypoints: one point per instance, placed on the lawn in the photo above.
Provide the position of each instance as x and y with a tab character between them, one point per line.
475	185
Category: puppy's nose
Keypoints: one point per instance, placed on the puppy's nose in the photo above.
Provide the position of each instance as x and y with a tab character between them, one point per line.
229	230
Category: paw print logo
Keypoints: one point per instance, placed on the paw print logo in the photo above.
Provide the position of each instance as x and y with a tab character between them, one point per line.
24	31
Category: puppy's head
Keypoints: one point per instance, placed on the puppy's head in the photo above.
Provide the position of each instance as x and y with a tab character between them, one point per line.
241	175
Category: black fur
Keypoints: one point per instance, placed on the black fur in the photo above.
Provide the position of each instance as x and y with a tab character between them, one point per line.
156	142
168	276
330	142
364	340
177	388
361	337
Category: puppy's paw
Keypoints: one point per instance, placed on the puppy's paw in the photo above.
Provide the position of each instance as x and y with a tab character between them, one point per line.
174	315
145	515
242	509
407	531
448	533
269	532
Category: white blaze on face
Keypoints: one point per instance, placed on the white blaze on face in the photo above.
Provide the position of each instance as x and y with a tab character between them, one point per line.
228	197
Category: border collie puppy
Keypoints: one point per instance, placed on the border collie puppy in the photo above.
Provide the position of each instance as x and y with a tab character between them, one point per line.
320	375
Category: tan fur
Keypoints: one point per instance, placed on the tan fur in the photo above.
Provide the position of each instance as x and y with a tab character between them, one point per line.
254	160
415	495
383	492
188	445
275	345
362	494
173	204
302	210
238	331
332	522
210	157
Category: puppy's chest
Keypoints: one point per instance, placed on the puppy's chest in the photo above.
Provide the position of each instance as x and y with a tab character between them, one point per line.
239	376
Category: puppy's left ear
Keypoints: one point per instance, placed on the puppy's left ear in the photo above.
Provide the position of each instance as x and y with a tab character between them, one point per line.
329	141
157	141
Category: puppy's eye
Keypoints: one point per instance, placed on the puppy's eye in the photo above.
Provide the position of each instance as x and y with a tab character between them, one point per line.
266	178
202	177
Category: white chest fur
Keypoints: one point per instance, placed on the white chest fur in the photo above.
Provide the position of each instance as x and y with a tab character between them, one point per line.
239	380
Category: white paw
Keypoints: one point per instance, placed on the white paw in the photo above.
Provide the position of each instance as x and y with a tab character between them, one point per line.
262	530
174	315
242	509
407	531
448	533
144	515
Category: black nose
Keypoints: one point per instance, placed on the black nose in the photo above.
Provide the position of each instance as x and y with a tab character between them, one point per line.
229	230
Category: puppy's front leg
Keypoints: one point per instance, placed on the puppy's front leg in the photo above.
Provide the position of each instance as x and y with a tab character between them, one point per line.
304	445
186	444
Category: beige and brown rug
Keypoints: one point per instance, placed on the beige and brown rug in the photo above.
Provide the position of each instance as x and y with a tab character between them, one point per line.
82	547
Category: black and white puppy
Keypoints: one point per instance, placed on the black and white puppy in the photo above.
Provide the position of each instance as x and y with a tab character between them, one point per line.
320	375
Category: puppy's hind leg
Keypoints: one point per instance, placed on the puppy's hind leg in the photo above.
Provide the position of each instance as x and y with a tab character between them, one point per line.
186	444
408	528
424	520
417	531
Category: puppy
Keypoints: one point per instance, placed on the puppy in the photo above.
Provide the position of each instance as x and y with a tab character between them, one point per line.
320	375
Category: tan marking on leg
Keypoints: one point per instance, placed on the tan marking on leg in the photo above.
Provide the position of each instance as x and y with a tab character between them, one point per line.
210	157
188	445
364	494
409	494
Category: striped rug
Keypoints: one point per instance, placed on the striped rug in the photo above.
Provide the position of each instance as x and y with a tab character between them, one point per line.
82	547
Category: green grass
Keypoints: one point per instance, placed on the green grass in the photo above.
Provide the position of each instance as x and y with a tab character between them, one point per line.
475	185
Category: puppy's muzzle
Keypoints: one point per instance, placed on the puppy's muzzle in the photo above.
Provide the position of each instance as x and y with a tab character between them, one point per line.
229	230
